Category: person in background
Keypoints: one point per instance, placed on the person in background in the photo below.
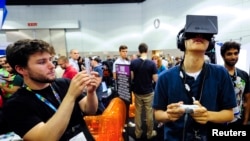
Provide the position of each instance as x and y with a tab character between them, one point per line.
107	77
47	103
230	53
160	68
133	57
73	60
170	61
80	61
3	74
122	59
2	60
107	71
12	83
69	70
158	61
95	64
110	61
143	74
58	69
177	60
193	82
164	61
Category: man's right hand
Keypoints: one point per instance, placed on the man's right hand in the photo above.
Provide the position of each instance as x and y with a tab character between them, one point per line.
174	111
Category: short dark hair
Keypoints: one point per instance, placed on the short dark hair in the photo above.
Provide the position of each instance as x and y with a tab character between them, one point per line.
63	58
143	48
229	45
96	58
19	52
122	47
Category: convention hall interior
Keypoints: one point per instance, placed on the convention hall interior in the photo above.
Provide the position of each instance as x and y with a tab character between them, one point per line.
99	27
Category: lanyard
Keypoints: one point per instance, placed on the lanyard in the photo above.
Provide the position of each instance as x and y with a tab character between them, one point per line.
188	88
234	77
56	95
43	99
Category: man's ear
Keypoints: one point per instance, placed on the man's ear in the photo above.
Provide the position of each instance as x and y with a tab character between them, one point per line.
20	70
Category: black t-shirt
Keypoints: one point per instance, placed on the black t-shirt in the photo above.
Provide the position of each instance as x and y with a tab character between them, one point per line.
143	75
24	110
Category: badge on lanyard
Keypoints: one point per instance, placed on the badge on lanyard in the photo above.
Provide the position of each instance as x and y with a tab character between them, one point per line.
79	137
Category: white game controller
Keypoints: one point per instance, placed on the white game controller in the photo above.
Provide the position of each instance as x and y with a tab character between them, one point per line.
189	108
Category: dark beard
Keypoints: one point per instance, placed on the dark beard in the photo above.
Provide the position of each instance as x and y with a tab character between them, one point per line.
42	80
230	64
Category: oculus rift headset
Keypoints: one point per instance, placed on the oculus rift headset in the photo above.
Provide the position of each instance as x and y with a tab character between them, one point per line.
198	24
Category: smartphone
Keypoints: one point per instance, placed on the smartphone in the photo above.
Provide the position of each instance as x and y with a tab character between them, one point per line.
87	65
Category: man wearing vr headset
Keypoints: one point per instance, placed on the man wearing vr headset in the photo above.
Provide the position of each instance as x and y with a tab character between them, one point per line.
194	97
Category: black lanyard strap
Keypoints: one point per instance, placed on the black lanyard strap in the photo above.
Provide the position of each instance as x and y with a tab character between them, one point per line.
183	76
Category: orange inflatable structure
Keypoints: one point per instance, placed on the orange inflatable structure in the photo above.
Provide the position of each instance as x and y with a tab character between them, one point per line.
109	125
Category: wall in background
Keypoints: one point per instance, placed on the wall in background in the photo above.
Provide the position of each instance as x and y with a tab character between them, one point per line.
104	27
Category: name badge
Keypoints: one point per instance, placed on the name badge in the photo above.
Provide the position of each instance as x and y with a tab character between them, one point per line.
79	137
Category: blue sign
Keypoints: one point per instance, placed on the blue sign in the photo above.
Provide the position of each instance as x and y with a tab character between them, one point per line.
3	12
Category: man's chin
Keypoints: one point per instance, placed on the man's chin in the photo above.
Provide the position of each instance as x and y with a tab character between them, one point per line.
51	80
231	64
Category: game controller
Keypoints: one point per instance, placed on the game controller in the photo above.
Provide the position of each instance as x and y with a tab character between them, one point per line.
189	108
